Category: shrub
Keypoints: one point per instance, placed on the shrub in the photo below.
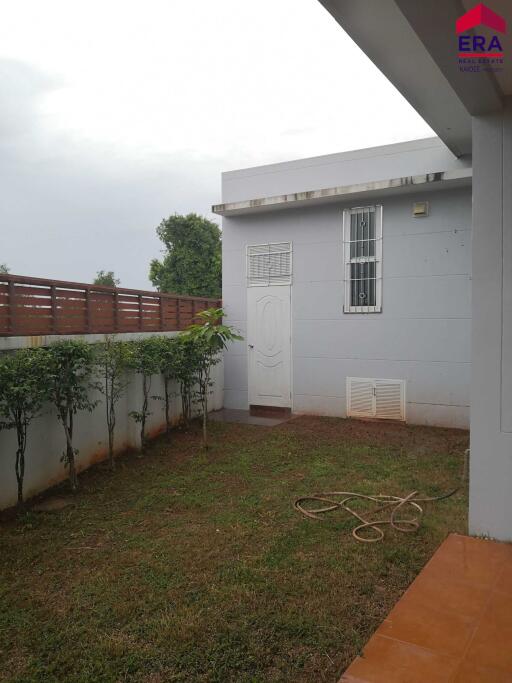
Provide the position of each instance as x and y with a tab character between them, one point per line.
111	360
210	338
187	361
68	367
169	358
22	394
144	359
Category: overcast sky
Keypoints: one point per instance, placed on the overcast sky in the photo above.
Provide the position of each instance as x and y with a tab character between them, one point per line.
117	113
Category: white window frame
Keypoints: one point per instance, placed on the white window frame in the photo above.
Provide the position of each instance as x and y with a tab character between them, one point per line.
284	279
377	259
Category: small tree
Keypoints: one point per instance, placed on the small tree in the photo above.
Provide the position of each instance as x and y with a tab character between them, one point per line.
106	278
169	367
22	393
211	338
187	361
68	370
144	359
111	362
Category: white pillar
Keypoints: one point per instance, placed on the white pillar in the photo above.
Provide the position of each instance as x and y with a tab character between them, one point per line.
490	510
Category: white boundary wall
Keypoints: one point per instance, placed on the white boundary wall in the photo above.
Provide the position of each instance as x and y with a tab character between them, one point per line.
46	443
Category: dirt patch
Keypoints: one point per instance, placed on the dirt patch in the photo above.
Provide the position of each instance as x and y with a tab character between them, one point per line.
53	504
418	438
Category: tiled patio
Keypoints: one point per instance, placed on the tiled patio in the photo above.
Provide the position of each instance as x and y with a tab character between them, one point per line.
453	624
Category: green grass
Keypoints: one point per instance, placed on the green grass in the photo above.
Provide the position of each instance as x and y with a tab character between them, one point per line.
193	566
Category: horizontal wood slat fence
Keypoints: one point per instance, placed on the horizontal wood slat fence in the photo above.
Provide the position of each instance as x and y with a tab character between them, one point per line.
37	306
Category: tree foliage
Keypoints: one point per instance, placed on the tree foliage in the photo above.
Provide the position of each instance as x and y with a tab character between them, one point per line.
63	375
187	360
111	359
192	257
210	337
4	268
169	362
144	359
106	278
22	394
68	371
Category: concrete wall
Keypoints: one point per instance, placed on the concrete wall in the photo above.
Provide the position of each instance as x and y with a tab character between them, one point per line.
46	441
490	507
346	168
422	334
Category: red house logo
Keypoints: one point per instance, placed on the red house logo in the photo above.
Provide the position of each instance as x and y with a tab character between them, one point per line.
475	45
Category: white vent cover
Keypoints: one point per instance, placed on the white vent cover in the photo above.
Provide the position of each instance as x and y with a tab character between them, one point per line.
378	398
269	264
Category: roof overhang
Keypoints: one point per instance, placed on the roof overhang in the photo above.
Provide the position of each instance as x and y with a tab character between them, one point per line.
414	45
378	188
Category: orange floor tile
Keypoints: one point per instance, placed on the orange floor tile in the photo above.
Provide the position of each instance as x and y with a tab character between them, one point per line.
452	625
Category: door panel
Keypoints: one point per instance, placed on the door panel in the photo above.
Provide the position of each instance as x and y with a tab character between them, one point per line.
268	338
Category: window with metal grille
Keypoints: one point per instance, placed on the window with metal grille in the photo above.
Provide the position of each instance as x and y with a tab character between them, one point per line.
269	264
362	248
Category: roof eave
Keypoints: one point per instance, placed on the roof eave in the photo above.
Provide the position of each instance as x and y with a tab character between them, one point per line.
417	183
414	45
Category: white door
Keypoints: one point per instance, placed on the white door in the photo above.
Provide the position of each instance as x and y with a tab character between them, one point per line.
268	338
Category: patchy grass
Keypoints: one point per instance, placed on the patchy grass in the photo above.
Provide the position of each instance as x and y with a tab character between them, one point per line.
193	566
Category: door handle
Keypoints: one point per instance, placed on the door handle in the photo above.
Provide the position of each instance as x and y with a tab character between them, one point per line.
251	346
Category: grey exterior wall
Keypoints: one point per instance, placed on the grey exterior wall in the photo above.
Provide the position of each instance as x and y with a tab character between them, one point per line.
490	507
46	443
403	159
423	332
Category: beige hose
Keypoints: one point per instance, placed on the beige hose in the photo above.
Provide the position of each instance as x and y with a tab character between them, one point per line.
397	505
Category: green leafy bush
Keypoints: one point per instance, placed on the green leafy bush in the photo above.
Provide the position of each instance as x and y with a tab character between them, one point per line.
144	359
22	394
187	360
62	374
111	361
68	366
209	338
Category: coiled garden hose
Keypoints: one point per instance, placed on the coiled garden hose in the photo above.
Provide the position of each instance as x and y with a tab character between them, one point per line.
395	504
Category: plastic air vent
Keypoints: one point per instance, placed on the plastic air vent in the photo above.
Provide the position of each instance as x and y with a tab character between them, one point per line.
376	398
269	264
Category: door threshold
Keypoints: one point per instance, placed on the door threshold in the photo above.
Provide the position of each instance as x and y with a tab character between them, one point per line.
269	411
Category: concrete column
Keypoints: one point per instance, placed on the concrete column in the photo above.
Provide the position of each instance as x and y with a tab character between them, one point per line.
490	511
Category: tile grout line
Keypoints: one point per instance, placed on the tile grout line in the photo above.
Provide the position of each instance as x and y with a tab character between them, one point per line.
471	638
458	660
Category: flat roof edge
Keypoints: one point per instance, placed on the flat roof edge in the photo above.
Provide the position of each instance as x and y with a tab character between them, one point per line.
455	177
390	149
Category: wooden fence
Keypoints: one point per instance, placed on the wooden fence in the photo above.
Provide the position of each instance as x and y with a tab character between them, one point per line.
37	306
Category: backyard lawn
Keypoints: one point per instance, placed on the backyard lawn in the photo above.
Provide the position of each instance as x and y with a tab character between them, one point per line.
186	565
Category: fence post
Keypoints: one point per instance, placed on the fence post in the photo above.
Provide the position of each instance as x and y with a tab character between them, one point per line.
116	311
178	316
53	294
161	302
87	309
12	312
141	322
193	310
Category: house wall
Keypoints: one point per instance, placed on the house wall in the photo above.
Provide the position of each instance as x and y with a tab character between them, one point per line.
402	159
46	442
422	334
490	505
